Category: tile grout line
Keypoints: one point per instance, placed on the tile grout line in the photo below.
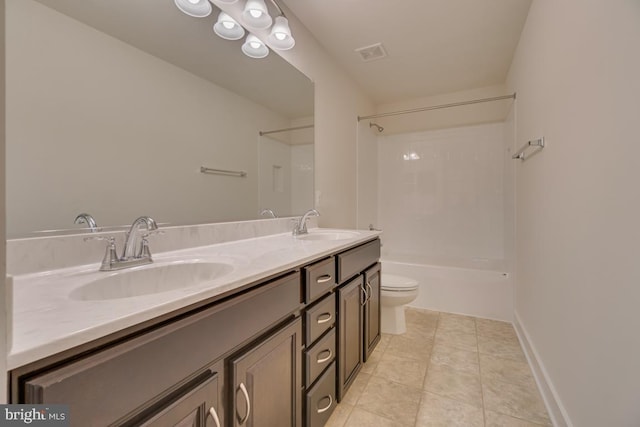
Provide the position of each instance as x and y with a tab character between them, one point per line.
424	380
484	412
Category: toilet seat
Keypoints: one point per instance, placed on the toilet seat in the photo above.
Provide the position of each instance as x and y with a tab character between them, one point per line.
394	283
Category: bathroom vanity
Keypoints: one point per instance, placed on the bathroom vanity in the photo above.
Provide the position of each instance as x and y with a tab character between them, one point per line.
276	342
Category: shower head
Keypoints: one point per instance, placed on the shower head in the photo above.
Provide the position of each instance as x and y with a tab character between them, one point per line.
377	126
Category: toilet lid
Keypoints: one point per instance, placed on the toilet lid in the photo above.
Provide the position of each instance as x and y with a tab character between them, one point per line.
392	282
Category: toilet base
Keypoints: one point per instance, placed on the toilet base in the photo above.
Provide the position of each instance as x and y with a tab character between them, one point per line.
392	320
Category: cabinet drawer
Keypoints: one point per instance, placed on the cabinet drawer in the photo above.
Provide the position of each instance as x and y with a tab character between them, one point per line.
319	319
321	399
352	262
319	357
148	367
319	279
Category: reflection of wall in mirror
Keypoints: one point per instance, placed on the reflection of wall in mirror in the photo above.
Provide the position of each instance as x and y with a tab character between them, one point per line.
95	125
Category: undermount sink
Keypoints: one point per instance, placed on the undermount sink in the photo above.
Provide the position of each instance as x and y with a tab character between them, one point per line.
150	279
328	235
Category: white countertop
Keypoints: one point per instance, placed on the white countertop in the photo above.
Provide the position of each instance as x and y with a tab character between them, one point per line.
47	321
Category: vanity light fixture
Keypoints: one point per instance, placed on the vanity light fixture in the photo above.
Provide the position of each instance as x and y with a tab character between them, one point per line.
255	15
195	8
227	27
254	48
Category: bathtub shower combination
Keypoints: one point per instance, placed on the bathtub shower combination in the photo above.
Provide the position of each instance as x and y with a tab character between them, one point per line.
446	213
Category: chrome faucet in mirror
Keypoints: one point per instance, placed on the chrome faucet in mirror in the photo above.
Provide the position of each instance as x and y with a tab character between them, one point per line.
269	213
85	218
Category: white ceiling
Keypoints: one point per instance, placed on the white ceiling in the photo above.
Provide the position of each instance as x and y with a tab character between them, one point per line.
433	46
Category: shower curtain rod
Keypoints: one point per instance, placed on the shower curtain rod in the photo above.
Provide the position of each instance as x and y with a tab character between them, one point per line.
267	132
437	107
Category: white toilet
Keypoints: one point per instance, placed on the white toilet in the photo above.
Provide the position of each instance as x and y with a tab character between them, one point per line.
396	291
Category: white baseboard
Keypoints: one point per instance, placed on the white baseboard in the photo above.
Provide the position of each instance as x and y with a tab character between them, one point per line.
557	412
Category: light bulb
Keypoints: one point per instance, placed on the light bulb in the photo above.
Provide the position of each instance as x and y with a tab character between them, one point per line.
227	27
256	15
195	8
254	48
280	36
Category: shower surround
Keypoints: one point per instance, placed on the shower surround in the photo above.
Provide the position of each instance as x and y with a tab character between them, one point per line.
446	208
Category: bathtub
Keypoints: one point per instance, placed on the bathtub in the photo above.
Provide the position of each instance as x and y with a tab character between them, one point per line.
476	287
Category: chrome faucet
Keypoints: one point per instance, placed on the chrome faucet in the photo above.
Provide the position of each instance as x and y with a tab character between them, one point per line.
134	253
301	225
130	250
85	218
269	212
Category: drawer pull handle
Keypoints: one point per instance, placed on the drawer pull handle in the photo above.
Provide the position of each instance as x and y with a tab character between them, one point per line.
324	359
324	278
243	389
326	319
214	415
326	408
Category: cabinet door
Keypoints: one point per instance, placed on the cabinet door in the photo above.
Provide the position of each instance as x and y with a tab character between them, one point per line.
267	381
201	406
372	310
351	298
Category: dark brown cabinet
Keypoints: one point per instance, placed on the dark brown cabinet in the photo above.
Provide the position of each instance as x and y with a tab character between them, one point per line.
201	406
371	310
350	332
266	381
358	272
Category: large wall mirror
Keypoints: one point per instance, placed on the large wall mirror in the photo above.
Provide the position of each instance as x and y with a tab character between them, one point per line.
113	107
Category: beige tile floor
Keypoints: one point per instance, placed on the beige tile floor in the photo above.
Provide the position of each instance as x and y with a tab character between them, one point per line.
446	370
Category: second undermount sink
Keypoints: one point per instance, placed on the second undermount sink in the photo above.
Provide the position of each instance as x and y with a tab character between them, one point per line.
328	235
150	279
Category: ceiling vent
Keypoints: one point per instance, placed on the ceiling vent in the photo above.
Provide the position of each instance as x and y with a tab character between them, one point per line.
372	53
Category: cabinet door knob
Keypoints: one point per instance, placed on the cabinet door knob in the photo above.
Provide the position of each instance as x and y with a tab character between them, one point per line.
324	359
326	319
326	408
324	278
214	415
243	389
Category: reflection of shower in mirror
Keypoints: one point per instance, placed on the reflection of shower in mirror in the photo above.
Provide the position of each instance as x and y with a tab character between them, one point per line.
377	126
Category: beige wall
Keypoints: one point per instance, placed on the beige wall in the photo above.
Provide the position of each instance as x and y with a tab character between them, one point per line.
3	295
576	73
338	102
